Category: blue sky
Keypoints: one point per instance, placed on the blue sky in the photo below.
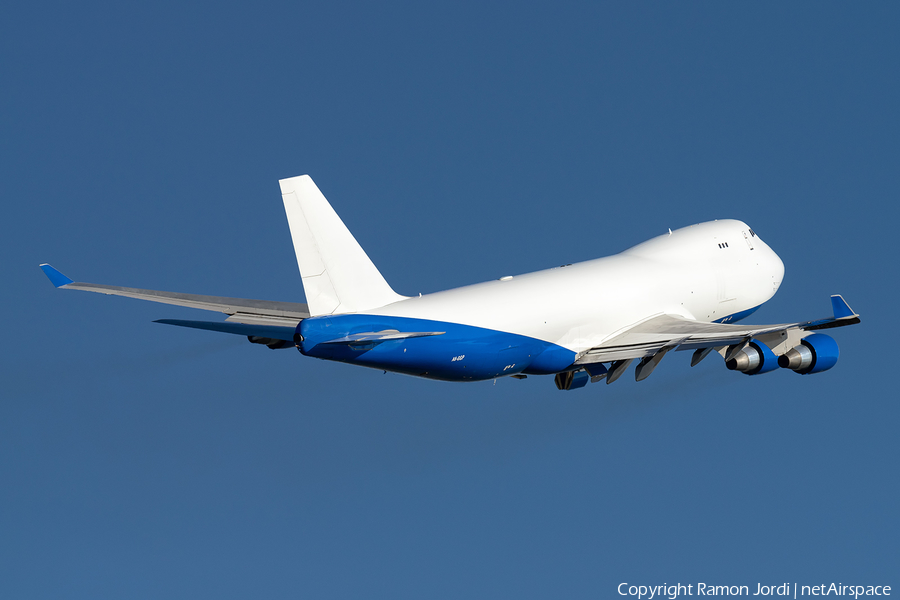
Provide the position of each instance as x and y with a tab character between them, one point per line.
460	142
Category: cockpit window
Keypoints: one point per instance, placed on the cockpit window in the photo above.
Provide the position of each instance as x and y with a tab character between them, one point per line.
752	233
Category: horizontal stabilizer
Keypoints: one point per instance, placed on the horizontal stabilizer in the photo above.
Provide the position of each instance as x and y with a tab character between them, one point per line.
262	331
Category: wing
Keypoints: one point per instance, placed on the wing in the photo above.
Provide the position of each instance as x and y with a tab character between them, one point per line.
240	310
662	333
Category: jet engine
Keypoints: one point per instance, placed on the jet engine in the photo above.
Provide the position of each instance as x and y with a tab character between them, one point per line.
571	380
755	359
816	353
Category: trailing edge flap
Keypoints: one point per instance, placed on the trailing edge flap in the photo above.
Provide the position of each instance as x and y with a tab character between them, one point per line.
263	331
652	335
376	337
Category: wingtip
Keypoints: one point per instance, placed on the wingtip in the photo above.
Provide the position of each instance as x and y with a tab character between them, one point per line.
55	277
840	307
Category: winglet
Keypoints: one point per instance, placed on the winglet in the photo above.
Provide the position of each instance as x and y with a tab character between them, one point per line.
55	277
840	307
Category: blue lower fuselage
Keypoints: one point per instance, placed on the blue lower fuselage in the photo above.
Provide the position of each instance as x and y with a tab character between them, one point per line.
460	353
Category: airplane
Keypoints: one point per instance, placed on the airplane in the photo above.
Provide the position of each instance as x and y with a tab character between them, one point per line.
681	291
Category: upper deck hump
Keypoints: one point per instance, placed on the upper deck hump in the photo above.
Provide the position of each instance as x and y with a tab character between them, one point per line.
691	240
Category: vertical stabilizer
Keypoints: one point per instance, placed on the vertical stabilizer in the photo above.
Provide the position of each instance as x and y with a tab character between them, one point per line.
338	276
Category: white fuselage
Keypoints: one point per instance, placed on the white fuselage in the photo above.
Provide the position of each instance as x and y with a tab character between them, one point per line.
706	272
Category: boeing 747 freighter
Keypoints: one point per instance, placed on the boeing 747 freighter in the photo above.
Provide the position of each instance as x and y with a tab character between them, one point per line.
682	291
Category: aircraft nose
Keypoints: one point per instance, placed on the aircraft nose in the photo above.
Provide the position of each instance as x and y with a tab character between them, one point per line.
777	270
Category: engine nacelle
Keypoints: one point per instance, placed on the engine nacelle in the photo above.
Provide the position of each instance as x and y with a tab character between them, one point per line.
571	380
816	353
755	359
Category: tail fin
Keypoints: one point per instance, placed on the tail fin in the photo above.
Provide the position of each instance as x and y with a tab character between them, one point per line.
338	276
